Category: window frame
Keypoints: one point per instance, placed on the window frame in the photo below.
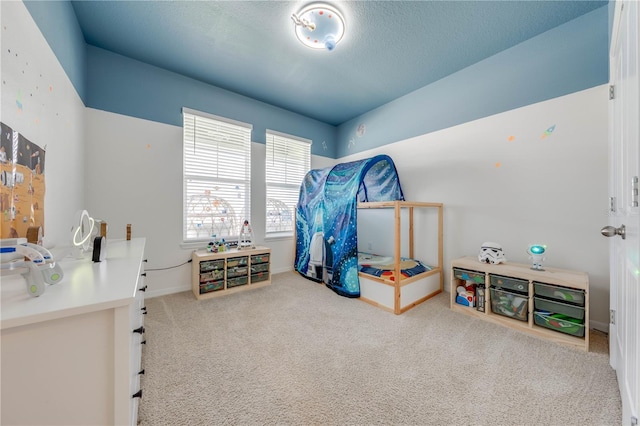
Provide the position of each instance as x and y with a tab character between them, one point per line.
290	185
229	134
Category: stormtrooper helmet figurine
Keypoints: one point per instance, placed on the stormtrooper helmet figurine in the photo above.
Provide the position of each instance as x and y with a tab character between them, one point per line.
491	253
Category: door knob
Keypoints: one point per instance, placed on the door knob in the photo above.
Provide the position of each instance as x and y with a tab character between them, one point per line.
611	231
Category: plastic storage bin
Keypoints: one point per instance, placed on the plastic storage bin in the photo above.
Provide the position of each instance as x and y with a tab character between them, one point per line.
467	275
562	294
261	267
260	258
510	304
211	286
210	265
237	261
237	271
260	276
235	282
559	322
214	275
509	283
554	307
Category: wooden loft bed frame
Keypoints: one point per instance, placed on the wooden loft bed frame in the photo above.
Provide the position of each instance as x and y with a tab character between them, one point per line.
388	294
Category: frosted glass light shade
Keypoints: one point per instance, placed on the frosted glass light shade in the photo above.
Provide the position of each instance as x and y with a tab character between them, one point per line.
326	29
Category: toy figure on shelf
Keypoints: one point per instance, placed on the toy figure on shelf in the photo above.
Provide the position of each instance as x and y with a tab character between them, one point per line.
536	252
491	253
216	245
245	241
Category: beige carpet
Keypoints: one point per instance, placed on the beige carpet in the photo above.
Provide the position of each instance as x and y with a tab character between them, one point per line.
297	353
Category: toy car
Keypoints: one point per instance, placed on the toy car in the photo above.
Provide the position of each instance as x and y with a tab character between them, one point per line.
491	253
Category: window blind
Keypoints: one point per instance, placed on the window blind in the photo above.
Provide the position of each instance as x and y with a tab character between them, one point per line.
288	159
216	175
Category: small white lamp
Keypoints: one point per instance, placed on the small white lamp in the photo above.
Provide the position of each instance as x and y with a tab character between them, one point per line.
81	233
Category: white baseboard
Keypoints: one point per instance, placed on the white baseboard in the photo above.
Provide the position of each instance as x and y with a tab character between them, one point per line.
187	287
600	326
165	291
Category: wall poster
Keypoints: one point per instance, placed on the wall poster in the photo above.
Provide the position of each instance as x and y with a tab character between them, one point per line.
22	184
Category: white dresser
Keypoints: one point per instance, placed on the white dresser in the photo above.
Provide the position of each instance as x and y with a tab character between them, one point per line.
73	355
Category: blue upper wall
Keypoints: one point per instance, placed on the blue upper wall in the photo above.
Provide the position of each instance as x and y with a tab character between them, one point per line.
114	83
564	60
125	86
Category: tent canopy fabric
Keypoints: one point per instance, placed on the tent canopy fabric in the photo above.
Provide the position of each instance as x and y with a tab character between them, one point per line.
326	218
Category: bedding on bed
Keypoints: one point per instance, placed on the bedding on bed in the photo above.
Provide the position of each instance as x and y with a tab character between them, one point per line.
384	266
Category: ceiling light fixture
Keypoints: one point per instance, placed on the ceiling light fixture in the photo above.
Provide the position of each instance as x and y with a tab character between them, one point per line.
319	26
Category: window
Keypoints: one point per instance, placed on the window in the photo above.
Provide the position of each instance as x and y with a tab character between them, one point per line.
216	174
288	160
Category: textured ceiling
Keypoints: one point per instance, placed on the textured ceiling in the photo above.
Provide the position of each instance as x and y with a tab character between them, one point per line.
390	48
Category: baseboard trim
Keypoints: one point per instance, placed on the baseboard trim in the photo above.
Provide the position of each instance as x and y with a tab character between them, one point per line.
165	291
600	326
180	289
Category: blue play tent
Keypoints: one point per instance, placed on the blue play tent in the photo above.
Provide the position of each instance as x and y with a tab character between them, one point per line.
326	218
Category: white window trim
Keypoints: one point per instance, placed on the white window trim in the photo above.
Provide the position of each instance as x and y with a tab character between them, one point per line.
199	242
279	235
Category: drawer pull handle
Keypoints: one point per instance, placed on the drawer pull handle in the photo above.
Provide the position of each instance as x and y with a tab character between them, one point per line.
137	394
144	309
141	371
144	288
144	274
145	260
139	330
144	312
144	342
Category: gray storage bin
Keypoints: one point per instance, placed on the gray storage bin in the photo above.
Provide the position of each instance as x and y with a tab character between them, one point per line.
467	275
562	294
552	306
509	283
211	286
260	267
210	265
235	282
217	274
559	323
260	276
509	304
260	258
237	271
237	261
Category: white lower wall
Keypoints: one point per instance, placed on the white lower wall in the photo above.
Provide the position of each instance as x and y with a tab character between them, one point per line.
135	177
504	178
508	179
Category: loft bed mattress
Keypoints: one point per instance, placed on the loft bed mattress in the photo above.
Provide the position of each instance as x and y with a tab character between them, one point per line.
384	266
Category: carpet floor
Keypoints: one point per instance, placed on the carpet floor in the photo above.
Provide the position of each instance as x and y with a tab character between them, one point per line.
295	353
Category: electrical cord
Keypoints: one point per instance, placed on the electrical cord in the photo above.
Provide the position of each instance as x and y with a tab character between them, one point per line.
168	267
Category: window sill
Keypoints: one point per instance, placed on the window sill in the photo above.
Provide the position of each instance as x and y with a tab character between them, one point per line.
272	236
193	245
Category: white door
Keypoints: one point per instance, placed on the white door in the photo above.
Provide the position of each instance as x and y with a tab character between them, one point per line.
624	222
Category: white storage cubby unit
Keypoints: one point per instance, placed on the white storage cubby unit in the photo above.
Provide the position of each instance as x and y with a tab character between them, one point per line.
552	304
217	274
72	356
